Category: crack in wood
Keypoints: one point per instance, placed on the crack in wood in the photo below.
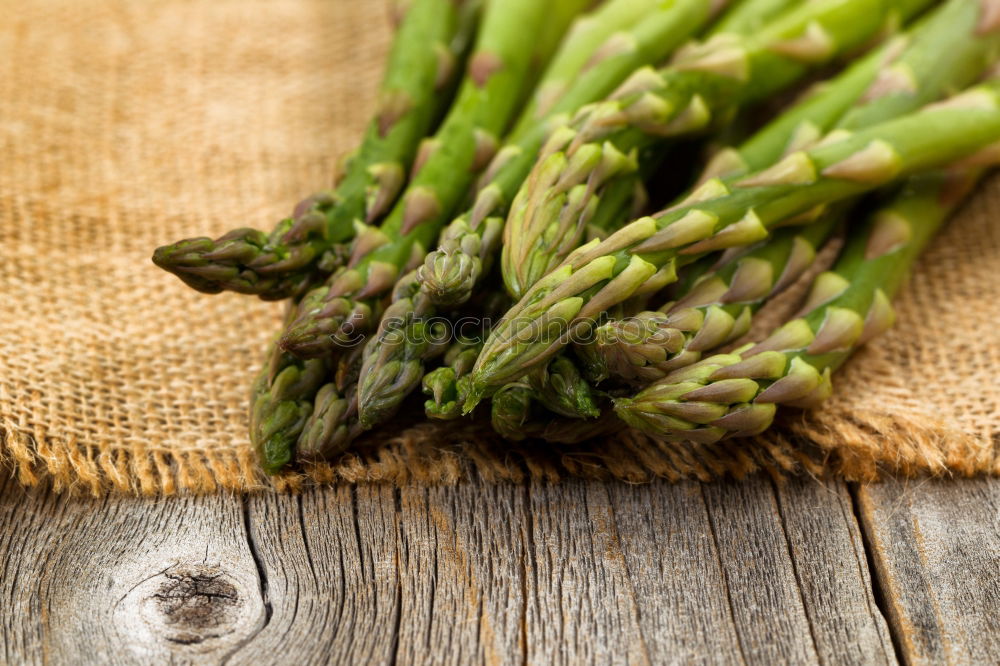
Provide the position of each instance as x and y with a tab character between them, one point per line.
877	585
258	563
261	573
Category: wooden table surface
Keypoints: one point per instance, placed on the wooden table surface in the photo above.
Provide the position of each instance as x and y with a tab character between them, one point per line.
581	572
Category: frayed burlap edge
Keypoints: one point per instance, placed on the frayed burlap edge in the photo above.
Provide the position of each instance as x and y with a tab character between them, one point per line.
860	446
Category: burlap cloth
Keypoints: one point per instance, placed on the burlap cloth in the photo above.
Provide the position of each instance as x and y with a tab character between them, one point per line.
124	125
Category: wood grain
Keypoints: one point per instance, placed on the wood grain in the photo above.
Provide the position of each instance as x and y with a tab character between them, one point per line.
328	559
581	572
831	572
124	580
936	548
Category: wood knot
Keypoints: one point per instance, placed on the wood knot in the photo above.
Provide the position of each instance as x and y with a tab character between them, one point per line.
195	601
189	607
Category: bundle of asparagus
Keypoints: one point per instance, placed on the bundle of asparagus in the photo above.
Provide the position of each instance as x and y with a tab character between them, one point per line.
539	293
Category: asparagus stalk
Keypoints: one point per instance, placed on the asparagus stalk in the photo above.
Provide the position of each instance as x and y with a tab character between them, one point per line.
334	421
737	394
445	386
642	256
942	53
704	83
347	304
415	90
718	310
331	425
573	431
467	245
394	366
561	388
510	410
281	403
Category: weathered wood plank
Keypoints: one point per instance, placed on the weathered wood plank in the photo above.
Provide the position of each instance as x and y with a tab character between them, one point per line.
675	575
580	572
123	580
936	547
462	573
767	606
376	575
692	573
581	606
831	571
329	562
798	589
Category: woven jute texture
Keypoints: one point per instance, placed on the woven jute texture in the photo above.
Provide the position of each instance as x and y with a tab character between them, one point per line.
126	125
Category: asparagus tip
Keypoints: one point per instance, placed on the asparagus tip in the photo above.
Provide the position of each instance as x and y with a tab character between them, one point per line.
476	393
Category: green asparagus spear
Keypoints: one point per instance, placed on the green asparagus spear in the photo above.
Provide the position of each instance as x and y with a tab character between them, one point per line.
348	303
561	388
515	415
704	83
737	394
642	256
281	402
414	92
331	426
394	366
573	431
510	410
